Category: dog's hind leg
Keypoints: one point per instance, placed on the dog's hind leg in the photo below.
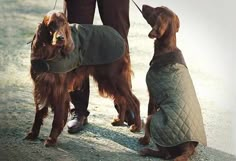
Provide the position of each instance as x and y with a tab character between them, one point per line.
119	121
133	102
38	121
155	153
152	152
187	149
126	99
182	158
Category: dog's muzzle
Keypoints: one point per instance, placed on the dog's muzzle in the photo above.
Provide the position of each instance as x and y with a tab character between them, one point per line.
58	40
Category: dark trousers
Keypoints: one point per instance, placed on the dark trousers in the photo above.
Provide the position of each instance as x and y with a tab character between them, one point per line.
114	13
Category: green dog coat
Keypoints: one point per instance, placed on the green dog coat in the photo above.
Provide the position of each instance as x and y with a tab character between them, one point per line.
94	45
179	118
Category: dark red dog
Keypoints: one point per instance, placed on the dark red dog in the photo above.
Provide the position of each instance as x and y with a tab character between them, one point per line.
63	55
175	122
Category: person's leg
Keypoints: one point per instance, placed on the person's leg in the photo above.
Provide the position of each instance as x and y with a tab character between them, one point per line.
80	100
115	13
82	12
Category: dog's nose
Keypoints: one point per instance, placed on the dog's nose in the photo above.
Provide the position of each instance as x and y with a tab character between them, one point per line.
60	37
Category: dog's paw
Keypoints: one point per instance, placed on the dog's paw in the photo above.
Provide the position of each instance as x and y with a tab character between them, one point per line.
134	128
31	136
50	142
117	122
144	141
181	158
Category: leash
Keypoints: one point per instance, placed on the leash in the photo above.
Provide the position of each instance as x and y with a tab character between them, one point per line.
137	7
55	4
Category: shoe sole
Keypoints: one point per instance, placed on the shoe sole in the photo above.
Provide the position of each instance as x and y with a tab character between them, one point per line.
76	130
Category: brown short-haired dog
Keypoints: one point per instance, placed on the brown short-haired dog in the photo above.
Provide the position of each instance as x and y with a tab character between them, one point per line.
175	121
62	55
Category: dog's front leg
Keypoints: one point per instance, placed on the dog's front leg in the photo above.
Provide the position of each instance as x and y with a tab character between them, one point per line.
146	139
38	121
57	125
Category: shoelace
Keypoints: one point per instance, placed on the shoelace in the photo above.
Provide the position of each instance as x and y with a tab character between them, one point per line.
74	116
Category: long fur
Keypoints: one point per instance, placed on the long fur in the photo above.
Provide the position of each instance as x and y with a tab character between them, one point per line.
52	89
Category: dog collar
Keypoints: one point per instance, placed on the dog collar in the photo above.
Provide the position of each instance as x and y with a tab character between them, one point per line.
168	58
60	64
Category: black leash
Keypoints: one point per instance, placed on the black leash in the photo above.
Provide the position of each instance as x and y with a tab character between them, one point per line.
137	7
55	4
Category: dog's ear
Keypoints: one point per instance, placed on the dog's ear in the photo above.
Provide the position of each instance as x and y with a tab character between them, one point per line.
41	36
160	27
63	15
165	21
69	44
177	23
45	20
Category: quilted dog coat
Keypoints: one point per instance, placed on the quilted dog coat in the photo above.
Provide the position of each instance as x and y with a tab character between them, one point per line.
94	45
179	118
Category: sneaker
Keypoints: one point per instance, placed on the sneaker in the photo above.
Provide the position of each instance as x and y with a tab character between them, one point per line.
76	123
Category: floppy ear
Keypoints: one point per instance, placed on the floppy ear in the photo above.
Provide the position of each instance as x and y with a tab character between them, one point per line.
161	25
41	36
177	23
69	44
45	19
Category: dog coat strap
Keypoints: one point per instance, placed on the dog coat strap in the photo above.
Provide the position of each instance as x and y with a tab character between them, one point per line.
60	64
40	65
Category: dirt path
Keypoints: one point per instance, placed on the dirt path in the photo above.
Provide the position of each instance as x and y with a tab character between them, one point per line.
99	140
